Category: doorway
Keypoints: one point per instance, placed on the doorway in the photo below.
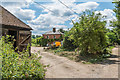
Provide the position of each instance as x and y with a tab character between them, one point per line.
13	33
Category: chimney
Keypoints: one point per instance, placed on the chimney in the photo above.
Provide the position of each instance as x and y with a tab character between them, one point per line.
54	29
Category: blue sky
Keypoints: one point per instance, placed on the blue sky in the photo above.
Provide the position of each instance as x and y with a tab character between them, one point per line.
43	20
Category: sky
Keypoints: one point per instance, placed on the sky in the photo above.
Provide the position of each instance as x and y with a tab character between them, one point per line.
47	14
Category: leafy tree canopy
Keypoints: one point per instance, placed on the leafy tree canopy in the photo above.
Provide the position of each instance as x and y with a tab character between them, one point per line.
89	33
116	24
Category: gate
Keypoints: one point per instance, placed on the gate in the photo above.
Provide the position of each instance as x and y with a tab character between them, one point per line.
24	40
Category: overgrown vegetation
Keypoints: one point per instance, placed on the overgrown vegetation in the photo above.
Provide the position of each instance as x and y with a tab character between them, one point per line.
19	66
86	59
88	40
116	24
89	33
68	44
112	37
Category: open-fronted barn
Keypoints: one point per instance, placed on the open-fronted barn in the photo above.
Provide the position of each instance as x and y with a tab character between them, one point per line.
11	25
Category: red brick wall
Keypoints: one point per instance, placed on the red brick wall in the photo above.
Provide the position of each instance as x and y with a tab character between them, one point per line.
51	36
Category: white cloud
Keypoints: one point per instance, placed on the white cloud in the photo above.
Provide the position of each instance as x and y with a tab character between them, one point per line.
48	20
16	9
60	14
59	26
109	16
25	14
85	6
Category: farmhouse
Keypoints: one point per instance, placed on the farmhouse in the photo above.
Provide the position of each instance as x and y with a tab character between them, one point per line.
52	34
11	25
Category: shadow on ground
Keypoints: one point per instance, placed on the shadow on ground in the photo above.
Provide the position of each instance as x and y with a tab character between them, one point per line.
113	59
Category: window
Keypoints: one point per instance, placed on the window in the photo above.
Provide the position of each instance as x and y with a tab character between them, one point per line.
47	37
54	37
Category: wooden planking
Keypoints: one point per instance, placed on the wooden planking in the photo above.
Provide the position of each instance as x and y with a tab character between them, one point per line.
24	39
0	31
25	32
4	31
22	36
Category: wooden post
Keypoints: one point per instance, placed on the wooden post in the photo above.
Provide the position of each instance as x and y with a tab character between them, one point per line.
30	45
17	41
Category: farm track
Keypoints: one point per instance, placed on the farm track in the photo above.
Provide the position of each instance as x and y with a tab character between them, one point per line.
61	67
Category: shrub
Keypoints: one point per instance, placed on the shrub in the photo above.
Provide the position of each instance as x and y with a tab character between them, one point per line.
19	66
112	37
89	33
68	44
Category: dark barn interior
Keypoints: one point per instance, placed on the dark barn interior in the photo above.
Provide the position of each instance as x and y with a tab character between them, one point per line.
13	33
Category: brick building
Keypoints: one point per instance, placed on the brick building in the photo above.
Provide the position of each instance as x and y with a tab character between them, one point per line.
53	34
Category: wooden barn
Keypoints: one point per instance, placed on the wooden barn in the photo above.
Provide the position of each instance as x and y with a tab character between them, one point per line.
11	25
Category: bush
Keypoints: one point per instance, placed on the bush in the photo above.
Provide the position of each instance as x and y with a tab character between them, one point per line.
112	37
19	66
89	33
68	44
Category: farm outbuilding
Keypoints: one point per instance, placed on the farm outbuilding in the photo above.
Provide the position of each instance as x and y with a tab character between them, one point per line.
11	25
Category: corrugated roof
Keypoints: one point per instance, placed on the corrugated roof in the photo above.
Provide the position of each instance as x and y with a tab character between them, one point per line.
51	32
9	19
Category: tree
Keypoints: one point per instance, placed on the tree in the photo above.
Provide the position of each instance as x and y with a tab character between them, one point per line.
33	36
112	37
37	36
42	41
61	30
116	24
68	44
89	33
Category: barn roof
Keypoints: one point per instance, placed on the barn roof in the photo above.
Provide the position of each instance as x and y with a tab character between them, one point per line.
51	32
9	19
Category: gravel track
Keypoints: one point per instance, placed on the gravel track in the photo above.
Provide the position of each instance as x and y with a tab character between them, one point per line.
61	67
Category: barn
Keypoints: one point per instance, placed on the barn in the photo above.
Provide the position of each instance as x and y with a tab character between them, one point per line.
11	25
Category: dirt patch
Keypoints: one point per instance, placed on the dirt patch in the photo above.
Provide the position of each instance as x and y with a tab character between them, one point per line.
61	67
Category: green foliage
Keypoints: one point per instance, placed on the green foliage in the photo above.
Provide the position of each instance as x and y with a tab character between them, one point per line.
39	41
68	44
112	36
116	24
19	66
61	30
89	33
33	36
